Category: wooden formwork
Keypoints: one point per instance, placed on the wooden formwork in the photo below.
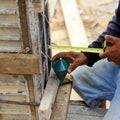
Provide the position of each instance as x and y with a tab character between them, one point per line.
24	57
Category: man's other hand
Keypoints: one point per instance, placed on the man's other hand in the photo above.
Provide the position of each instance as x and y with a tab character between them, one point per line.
112	53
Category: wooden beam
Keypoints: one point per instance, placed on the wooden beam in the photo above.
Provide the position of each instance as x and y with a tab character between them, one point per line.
61	104
73	23
19	64
49	96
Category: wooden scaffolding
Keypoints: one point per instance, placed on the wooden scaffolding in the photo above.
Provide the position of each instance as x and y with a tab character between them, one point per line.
24	57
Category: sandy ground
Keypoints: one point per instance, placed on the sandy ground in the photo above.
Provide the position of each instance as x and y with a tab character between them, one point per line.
96	15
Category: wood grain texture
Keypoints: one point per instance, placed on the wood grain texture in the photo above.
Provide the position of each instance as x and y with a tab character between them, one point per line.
49	96
78	112
61	104
19	63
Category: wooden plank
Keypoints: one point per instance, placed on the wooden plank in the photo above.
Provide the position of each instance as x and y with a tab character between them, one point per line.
9	19
10	46
19	103
73	23
8	11
9	88
13	94
9	25
7	78
48	99
13	97
37	6
14	117
9	37
14	107
13	113
19	63
78	112
10	32
9	4
61	104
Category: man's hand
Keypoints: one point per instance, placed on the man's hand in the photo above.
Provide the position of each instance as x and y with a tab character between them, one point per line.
75	58
112	53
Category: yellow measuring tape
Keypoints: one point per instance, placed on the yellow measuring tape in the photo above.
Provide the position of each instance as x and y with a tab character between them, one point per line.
83	49
107	45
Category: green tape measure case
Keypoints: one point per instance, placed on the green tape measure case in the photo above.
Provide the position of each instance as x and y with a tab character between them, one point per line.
107	45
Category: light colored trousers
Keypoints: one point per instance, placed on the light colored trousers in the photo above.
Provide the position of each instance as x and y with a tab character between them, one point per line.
98	83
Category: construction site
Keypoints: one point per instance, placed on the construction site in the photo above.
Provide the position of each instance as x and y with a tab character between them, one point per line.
29	88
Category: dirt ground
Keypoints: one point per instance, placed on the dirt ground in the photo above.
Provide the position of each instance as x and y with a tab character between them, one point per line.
96	15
